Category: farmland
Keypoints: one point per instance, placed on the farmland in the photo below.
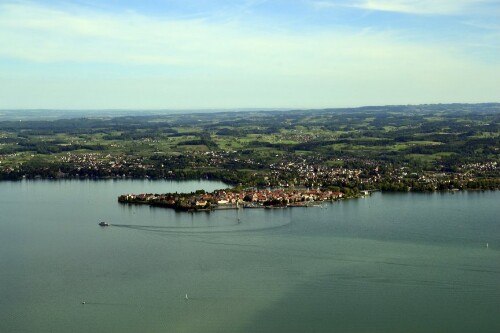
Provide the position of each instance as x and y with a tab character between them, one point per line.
422	147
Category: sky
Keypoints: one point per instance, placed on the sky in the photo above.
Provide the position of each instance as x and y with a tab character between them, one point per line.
221	54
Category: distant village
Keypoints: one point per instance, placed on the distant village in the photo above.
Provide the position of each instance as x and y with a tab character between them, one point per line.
229	199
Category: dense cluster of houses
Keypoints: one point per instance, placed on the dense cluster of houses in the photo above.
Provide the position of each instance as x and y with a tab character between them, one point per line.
250	198
290	171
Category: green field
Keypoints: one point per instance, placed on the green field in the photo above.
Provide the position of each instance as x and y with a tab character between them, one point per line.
239	145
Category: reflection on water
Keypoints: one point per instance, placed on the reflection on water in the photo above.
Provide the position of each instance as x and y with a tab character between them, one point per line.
387	263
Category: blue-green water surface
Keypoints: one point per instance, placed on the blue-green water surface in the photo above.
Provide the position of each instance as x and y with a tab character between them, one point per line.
386	263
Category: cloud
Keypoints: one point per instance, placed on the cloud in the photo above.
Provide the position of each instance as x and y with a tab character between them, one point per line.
40	34
206	63
418	7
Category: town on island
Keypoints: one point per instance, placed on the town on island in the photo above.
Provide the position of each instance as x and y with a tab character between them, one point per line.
235	198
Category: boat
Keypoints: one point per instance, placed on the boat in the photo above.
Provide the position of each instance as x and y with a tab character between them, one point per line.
103	224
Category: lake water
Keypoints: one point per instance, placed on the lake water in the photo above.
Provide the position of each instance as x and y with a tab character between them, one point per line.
386	263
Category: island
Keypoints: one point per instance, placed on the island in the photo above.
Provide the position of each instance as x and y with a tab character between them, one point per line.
235	199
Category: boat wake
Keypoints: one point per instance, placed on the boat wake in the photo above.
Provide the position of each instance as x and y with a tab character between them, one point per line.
236	227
